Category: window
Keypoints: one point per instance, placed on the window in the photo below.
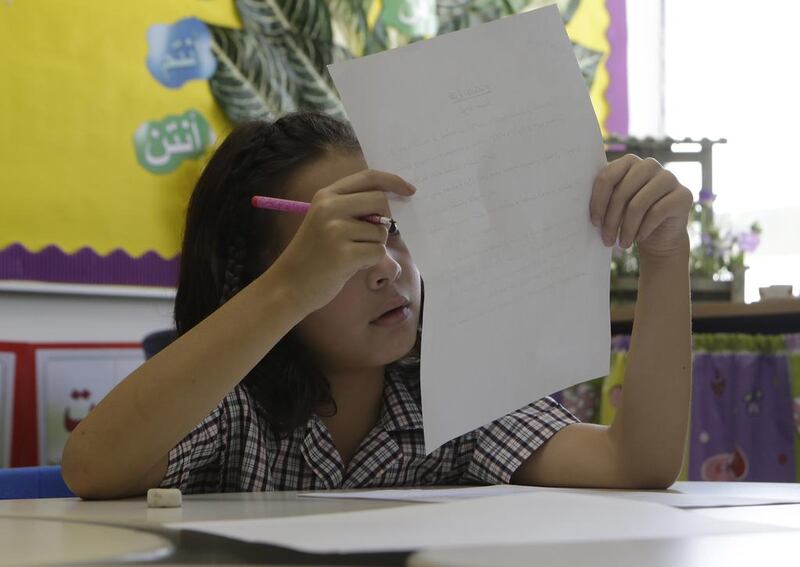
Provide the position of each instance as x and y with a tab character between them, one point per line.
721	69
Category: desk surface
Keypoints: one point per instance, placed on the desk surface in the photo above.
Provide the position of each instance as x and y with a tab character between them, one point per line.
25	541
196	507
65	516
748	550
137	525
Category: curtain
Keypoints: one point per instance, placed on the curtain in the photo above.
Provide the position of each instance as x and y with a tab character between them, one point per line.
745	415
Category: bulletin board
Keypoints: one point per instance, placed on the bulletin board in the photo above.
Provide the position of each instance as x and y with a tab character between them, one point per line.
101	140
108	118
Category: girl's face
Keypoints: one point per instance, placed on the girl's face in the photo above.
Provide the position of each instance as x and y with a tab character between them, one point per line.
345	335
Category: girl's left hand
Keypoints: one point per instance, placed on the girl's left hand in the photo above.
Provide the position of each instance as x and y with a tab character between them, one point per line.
643	203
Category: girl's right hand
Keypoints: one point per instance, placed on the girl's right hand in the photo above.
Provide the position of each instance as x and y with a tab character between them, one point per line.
332	243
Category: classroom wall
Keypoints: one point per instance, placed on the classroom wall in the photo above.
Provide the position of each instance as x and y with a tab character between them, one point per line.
44	317
49	317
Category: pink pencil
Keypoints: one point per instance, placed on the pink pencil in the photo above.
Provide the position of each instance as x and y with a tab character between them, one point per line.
299	207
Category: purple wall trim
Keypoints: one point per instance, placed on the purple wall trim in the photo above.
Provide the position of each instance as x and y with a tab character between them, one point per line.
85	266
617	65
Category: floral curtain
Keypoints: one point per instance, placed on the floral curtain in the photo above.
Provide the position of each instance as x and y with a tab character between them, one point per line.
745	417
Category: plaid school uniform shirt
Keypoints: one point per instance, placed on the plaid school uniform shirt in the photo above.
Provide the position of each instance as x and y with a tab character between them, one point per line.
233	449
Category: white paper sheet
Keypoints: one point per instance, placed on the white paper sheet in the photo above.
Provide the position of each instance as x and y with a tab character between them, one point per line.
682	495
494	126
697	495
423	494
780	516
535	517
781	491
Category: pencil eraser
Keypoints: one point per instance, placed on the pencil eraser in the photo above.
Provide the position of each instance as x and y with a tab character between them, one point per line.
164	498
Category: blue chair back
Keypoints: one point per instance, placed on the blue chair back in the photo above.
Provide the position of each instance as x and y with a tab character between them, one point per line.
33	482
154	342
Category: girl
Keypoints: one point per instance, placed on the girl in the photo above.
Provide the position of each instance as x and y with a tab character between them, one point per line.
300	335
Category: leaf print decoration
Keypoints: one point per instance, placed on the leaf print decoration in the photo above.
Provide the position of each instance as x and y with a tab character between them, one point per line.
588	61
251	81
278	62
349	26
302	30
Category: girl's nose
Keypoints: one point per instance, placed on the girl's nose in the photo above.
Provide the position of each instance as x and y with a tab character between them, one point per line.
384	272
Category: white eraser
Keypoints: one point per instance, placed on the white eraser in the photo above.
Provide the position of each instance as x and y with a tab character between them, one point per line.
164	498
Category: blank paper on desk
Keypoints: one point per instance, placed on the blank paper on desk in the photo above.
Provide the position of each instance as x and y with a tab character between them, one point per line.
494	126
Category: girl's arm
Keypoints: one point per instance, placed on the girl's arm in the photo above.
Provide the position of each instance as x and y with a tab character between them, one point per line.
644	445
121	447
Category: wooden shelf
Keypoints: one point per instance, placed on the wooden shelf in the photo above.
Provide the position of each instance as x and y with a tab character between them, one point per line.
772	317
624	289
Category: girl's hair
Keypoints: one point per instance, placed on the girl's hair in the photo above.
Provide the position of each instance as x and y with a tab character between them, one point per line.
227	244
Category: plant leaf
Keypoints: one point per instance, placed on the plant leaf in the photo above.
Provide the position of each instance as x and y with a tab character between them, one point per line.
459	14
377	40
349	25
251	81
588	61
315	90
567	8
274	17
302	30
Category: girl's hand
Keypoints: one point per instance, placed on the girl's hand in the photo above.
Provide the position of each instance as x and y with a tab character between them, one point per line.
332	243
643	203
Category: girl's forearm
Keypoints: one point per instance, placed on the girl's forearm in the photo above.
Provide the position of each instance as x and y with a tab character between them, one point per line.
152	409
651	426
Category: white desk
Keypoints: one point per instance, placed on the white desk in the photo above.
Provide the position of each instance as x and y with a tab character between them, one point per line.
751	550
138	529
26	541
99	529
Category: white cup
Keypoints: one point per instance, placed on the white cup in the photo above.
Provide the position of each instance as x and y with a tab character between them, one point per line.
775	292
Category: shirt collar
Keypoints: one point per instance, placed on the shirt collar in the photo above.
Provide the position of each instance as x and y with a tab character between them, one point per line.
400	410
320	454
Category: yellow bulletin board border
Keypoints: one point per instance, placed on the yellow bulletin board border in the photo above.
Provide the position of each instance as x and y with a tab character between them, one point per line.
63	267
78	212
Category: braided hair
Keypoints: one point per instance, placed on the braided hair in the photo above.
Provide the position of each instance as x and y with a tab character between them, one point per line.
227	243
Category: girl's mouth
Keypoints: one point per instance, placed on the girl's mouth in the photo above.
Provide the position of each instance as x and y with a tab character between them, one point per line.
393	316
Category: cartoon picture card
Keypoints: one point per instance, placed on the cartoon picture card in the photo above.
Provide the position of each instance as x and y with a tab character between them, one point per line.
69	384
